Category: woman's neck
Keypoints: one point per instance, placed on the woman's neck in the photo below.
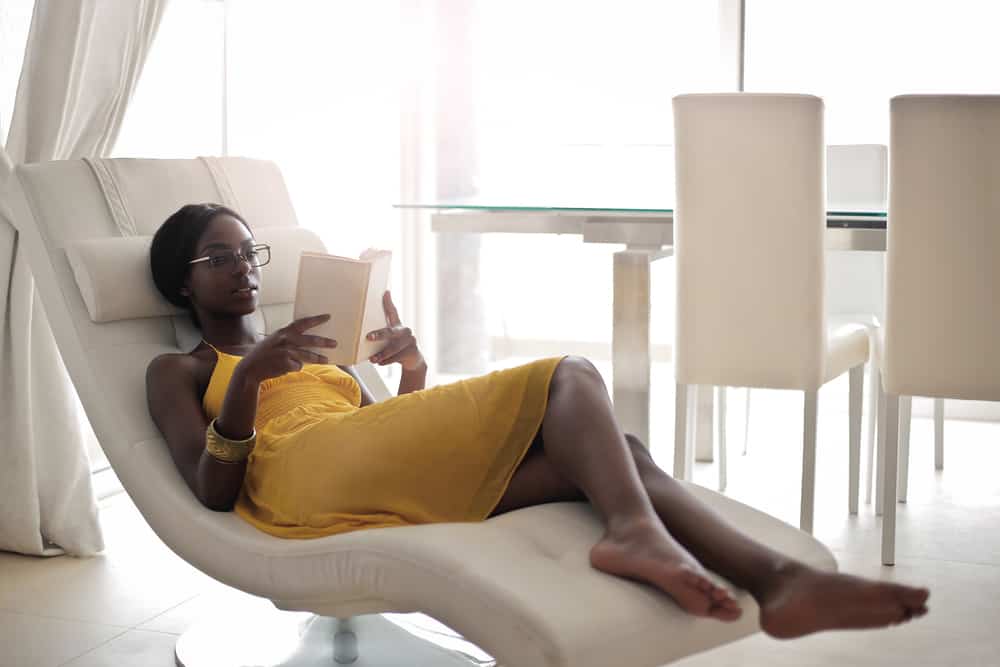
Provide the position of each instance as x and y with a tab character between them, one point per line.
230	332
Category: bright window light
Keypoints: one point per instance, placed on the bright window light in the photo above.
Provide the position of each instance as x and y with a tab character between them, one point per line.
856	54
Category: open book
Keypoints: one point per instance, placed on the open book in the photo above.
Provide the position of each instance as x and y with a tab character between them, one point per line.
351	291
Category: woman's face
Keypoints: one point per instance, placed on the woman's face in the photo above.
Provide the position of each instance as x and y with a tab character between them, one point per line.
226	284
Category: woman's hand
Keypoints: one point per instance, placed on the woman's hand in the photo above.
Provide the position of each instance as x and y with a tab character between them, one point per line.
284	350
401	347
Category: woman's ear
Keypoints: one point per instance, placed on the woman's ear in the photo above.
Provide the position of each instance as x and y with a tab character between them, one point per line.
185	290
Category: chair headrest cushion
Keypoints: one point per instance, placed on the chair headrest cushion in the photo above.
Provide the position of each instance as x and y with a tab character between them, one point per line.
115	281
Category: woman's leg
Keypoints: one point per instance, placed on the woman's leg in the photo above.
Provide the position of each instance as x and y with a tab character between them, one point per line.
794	599
586	447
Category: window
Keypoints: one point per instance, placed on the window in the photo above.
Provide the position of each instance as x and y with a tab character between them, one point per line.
15	20
857	54
314	86
176	110
565	95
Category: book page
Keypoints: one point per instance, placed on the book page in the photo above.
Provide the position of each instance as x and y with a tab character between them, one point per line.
335	285
374	313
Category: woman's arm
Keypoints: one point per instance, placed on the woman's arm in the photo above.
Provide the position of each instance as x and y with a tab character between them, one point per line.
174	404
400	348
413	380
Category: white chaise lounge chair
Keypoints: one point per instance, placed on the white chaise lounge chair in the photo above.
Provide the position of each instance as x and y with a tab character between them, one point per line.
518	586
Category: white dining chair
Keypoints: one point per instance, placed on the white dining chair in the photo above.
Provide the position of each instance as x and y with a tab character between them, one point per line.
749	228
856	180
942	273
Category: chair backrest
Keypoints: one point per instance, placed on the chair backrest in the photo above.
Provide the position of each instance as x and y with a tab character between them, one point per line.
748	227
58	204
943	255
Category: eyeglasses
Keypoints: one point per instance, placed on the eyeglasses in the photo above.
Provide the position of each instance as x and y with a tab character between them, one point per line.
257	255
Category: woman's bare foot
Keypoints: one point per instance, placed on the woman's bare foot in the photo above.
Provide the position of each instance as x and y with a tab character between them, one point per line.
803	600
645	551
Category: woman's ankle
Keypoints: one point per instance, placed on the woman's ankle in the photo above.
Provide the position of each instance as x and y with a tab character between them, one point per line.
633	525
774	576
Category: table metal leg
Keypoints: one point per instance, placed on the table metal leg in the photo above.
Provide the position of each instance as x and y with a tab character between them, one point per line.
630	345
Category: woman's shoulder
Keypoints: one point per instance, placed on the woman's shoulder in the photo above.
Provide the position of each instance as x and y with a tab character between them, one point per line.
182	365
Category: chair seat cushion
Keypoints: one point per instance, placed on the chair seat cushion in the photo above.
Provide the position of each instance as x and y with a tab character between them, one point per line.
518	585
848	345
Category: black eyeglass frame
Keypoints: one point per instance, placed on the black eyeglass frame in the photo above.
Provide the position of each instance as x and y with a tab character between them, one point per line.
231	256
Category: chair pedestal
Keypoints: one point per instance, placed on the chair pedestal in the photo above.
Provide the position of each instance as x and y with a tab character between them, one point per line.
276	638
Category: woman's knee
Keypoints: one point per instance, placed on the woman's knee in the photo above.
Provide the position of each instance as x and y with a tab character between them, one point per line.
640	454
576	369
638	449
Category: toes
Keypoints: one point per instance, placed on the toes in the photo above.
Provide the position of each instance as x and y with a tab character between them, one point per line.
699	581
730	602
912	597
717	594
721	594
725	613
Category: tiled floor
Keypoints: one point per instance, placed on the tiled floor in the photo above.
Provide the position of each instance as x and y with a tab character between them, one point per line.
126	607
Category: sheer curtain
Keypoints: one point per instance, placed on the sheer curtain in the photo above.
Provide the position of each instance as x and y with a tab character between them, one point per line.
81	63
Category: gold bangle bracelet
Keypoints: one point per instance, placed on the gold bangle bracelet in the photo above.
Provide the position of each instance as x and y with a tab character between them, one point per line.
226	450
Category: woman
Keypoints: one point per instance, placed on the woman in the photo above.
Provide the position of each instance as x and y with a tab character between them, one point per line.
297	447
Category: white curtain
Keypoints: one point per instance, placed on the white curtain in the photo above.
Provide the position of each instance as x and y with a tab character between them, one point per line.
82	61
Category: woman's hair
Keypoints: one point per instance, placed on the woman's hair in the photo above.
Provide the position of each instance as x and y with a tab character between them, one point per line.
174	245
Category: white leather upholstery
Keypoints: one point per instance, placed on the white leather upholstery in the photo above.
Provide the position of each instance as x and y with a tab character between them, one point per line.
100	264
942	273
749	225
943	254
847	346
519	585
749	228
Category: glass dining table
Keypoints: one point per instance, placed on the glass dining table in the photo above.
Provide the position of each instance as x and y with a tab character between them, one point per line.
643	223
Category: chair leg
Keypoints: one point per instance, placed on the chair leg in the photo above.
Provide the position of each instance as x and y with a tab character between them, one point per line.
808	461
939	434
746	425
857	377
891	456
720	425
693	412
680	430
872	418
905	412
880	448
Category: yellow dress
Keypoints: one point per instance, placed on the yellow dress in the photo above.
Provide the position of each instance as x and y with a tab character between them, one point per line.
324	465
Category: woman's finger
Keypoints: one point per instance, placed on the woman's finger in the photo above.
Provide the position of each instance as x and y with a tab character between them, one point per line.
303	323
391	315
307	356
309	340
390	333
391	360
380	334
393	348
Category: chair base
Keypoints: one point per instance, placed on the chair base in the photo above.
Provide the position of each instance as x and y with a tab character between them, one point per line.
276	638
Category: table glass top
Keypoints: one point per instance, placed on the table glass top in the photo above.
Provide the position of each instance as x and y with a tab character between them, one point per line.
630	180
